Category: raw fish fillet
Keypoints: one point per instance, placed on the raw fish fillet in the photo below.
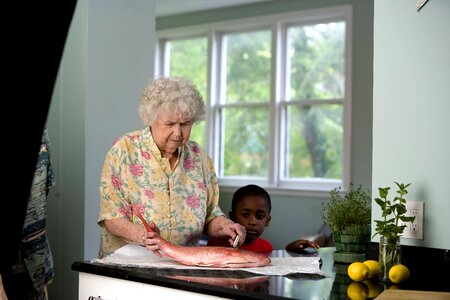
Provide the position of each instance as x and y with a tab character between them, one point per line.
215	257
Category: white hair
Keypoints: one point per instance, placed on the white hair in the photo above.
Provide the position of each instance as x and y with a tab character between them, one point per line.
173	94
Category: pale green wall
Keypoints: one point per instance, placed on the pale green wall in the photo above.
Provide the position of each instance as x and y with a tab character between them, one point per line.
66	123
411	126
296	216
107	61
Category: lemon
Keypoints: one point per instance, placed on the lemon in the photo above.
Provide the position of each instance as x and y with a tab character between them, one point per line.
374	267
398	273
374	288
357	291
358	271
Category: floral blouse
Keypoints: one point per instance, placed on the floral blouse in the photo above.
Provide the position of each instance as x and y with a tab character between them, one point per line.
136	177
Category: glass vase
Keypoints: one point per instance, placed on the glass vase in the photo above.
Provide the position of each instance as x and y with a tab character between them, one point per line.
389	255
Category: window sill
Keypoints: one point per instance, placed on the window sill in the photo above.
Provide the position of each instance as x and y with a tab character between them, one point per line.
279	191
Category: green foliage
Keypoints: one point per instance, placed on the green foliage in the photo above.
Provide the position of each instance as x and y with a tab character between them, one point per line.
248	67
316	72
392	212
347	209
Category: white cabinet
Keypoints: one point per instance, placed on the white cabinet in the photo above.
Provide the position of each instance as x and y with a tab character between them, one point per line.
108	288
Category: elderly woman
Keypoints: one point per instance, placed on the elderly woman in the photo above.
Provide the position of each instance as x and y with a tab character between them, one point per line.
159	173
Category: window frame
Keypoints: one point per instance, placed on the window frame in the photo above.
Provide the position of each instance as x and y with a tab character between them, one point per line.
278	23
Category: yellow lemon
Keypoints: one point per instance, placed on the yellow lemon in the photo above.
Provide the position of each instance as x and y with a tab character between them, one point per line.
357	291
374	288
374	267
358	271
398	273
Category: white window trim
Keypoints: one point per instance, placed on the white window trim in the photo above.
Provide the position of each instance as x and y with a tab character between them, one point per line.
313	187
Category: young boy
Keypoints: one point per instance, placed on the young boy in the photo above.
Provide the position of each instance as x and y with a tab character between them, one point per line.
251	208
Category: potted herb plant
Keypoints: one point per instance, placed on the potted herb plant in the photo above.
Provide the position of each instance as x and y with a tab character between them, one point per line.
391	227
348	214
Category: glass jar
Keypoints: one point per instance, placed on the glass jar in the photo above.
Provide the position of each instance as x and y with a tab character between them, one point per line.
389	255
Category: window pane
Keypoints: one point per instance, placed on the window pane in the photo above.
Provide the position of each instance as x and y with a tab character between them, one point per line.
314	141
188	58
307	147
248	58
246	134
316	61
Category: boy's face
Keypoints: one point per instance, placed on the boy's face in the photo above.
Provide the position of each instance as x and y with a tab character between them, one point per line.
252	212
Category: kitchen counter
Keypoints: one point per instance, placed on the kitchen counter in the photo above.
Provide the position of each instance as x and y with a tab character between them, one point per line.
231	284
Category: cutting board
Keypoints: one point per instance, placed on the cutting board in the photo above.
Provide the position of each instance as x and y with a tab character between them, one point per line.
412	295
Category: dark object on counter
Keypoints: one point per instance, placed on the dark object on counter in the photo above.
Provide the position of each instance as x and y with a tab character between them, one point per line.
421	262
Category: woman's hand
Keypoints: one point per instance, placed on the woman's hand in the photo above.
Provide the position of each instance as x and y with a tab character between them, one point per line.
150	240
223	227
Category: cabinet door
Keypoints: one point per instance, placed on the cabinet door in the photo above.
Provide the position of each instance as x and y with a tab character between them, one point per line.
160	292
108	288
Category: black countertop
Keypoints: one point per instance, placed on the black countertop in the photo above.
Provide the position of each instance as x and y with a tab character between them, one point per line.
246	285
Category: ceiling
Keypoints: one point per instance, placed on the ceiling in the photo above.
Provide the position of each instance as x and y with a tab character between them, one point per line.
171	7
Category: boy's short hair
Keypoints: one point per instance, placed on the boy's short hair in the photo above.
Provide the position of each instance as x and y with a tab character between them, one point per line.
250	190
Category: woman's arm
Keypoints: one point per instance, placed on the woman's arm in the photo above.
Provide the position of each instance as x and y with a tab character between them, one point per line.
127	231
134	233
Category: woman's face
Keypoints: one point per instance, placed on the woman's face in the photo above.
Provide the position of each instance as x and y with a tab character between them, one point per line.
170	131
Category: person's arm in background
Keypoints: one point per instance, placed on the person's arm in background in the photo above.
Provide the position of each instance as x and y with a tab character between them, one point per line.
300	245
322	239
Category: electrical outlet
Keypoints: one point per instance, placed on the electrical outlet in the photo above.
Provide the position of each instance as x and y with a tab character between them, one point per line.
414	230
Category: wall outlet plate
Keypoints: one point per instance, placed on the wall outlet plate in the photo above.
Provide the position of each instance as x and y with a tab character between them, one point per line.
414	230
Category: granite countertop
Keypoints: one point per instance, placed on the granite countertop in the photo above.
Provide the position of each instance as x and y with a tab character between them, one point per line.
229	283
246	285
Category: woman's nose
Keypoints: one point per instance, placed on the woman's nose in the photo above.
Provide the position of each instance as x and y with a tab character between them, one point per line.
176	129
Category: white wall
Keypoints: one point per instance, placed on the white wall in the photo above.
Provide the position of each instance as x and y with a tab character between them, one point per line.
411	124
107	61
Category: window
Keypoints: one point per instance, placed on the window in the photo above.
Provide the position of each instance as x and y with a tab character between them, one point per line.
277	92
193	50
244	105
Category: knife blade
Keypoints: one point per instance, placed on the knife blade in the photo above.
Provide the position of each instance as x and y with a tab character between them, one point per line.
236	241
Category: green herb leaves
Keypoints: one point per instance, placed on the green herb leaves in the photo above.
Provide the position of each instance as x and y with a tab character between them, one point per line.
392	212
347	209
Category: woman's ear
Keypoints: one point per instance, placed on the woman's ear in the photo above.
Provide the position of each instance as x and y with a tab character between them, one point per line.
268	220
231	215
